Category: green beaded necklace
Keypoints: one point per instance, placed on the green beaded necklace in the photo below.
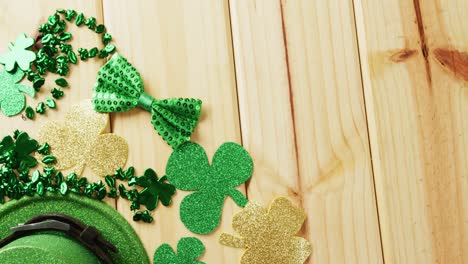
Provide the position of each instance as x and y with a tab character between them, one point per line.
54	54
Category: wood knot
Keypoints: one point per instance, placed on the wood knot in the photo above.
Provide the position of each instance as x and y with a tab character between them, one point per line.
402	55
453	61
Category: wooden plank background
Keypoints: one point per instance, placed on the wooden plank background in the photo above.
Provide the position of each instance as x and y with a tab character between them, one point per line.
356	110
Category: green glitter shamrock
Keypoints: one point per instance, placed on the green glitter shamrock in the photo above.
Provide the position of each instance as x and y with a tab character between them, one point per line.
19	54
155	190
189	170
12	101
189	249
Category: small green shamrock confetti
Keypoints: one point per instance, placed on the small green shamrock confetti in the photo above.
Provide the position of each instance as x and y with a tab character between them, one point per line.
50	103
188	169
40	108
30	113
144	216
56	93
19	54
12	101
44	149
17	153
155	190
189	249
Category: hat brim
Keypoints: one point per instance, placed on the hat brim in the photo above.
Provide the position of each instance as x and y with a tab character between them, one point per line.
112	226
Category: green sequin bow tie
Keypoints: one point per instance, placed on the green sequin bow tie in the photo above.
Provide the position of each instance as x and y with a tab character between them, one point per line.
119	88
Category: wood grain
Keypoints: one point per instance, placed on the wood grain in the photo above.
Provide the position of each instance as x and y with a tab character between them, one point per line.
324	111
297	70
182	49
417	125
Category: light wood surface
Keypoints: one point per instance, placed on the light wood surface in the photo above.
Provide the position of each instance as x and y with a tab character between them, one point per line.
288	81
356	110
417	125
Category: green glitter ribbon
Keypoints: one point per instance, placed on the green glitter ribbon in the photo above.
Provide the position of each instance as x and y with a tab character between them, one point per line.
188	169
119	88
12	101
189	249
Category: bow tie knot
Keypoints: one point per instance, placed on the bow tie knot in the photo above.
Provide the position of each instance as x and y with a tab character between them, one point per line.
145	101
119	88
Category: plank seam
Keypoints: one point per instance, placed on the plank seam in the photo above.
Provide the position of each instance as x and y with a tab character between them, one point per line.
246	184
368	129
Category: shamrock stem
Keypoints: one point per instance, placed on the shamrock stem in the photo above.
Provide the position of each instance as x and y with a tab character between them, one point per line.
231	241
238	197
79	169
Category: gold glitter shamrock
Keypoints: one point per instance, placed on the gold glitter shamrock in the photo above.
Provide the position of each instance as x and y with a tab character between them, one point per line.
19	54
269	236
11	99
79	142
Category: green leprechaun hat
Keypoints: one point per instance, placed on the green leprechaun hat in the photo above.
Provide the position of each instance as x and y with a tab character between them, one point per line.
66	229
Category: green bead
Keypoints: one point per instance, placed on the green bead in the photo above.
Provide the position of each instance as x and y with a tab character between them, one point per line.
56	93
63	69
44	28
109	48
83	53
35	176
60	27
80	19
82	182
62	59
31	75
61	82
106	38
112	193
65	36
28	189
93	52
72	179
103	53
40	188
99	29
53	19
44	149
47	38
72	57
30	113
38	82
48	171
50	51
65	48
51	103
70	14
135	206
40	108
110	181
144	216
122	191
91	23
63	188
49	159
